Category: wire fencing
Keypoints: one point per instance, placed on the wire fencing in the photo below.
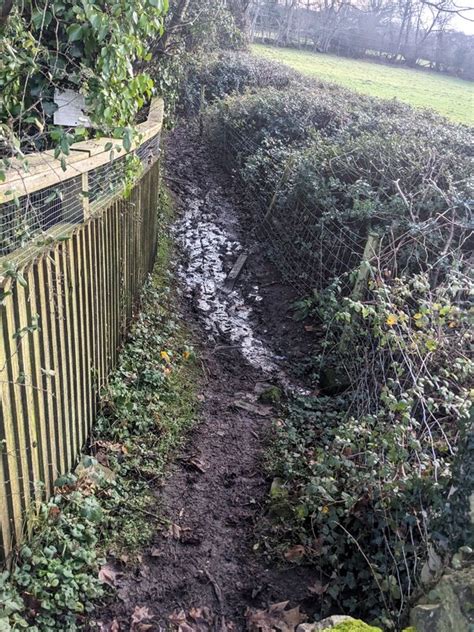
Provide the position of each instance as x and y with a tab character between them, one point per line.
311	248
68	291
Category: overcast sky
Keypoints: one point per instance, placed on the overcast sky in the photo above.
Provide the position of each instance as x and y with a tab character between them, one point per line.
461	23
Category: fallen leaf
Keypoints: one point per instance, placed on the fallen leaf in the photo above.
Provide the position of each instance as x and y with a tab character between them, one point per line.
201	615
54	512
317	588
140	618
156	552
275	618
108	575
176	532
309	327
112	626
198	464
178	619
295	553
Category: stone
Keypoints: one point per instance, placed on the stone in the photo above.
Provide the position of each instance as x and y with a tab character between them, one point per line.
325	624
449	605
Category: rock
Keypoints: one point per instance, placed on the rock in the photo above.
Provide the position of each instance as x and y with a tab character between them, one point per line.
331	623
449	605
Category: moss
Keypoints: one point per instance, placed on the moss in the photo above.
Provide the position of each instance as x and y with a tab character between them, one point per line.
355	626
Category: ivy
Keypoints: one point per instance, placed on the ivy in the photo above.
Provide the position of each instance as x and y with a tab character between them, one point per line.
92	47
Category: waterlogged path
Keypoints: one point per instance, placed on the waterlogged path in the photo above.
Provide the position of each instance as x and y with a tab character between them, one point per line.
208	571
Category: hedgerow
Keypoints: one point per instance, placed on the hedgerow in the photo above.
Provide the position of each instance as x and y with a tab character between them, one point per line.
367	473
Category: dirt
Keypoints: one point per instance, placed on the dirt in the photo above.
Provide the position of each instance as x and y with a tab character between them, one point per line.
216	490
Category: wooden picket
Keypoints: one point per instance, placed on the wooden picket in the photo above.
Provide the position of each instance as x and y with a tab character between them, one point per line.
63	316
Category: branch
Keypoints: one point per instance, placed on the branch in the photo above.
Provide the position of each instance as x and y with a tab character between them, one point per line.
5	11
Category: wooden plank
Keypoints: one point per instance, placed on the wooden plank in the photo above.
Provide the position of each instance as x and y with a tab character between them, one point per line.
16	442
12	492
235	272
75	353
49	305
62	357
41	410
84	280
46	369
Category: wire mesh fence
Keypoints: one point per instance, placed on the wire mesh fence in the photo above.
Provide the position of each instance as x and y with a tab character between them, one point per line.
312	248
64	309
44	214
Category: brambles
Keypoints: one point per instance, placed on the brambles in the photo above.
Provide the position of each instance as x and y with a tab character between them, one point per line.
366	476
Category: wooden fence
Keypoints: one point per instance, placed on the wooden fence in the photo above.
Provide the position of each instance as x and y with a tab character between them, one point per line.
63	314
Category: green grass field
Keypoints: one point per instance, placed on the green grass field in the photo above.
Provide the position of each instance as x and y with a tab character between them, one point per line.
449	96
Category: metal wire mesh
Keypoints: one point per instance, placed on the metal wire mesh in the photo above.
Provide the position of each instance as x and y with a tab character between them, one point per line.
32	215
149	150
311	248
43	215
105	181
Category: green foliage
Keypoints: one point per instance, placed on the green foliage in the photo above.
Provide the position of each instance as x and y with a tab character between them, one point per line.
450	96
104	507
366	479
91	47
54	582
345	164
370	475
207	78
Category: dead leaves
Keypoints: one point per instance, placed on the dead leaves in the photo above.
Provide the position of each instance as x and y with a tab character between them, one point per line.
141	618
195	463
109	575
198	620
317	588
176	532
276	619
295	553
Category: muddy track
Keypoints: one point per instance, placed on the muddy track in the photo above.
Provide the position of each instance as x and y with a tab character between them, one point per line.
215	492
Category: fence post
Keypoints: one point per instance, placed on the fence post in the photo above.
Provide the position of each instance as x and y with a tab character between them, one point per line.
85	195
370	251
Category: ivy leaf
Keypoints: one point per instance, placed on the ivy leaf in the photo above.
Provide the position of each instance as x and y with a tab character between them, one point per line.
127	138
75	32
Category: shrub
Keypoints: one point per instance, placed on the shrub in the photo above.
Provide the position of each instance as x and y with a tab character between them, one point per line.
366	479
324	166
367	476
215	76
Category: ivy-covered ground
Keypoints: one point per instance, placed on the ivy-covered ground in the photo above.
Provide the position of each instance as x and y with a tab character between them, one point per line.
105	509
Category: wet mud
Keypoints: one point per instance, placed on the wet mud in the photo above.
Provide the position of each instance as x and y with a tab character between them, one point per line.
208	562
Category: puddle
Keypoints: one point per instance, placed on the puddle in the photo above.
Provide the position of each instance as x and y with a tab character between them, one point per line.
210	247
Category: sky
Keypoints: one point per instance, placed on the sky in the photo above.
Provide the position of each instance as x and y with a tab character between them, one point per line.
461	23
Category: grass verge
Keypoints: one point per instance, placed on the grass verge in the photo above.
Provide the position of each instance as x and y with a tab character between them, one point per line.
450	96
105	506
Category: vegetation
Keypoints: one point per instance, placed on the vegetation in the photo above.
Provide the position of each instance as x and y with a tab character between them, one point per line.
450	96
104	505
365	471
407	32
47	46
